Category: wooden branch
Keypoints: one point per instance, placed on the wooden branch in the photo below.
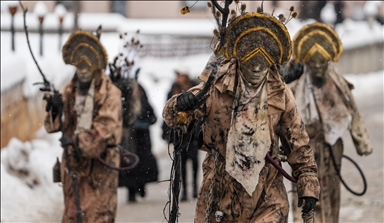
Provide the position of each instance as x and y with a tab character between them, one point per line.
46	82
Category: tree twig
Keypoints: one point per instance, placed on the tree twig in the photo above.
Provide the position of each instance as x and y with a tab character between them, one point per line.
46	82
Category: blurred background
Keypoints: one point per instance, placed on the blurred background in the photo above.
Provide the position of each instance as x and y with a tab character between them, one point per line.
171	41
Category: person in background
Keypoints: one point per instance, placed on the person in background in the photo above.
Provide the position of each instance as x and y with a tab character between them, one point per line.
91	122
147	169
327	106
190	142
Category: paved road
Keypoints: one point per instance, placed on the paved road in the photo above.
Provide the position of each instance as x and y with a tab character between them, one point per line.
368	208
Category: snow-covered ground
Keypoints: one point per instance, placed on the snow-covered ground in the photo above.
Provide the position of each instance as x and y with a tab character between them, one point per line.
32	197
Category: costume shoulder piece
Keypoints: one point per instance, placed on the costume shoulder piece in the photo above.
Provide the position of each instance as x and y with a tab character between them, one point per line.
83	46
258	37
317	38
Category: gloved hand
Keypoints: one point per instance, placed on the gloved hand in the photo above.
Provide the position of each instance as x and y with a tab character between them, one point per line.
66	141
54	103
186	101
310	203
293	72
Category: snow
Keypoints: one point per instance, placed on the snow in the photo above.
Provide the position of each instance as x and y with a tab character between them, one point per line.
40	9
60	10
371	8
366	85
195	27
44	202
13	67
39	202
354	34
328	14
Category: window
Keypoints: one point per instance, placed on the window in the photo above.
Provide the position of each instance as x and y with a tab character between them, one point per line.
118	7
200	5
67	4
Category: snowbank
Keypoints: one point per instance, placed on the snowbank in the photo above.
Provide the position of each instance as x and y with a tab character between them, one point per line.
27	191
16	73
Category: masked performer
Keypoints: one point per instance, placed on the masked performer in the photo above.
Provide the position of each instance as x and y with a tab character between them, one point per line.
92	127
248	110
326	104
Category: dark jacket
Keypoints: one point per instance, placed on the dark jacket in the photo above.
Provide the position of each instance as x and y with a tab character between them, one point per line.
146	171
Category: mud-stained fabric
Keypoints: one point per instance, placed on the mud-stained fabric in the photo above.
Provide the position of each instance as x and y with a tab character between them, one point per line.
84	109
248	137
327	209
268	202
322	104
335	101
97	182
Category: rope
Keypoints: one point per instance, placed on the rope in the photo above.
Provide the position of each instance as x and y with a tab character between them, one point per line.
280	169
341	178
124	154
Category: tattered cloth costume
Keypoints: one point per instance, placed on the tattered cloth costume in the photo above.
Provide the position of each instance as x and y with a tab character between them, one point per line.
327	112
93	121
242	123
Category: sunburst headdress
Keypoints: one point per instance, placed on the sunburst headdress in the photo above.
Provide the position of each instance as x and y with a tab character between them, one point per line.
256	36
83	46
317	38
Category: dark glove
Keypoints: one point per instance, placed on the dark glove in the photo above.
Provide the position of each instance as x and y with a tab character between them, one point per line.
66	141
186	101
310	203
294	72
54	103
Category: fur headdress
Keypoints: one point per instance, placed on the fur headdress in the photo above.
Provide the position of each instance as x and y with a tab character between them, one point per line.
83	46
317	38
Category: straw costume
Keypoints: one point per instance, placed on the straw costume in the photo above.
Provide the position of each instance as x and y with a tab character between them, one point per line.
92	122
328	109
245	116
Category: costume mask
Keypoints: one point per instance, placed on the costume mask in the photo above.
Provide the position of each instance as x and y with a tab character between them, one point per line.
254	75
85	73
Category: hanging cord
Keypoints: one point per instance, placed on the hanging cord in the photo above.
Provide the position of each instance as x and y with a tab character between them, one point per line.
280	169
341	178
79	213
124	154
